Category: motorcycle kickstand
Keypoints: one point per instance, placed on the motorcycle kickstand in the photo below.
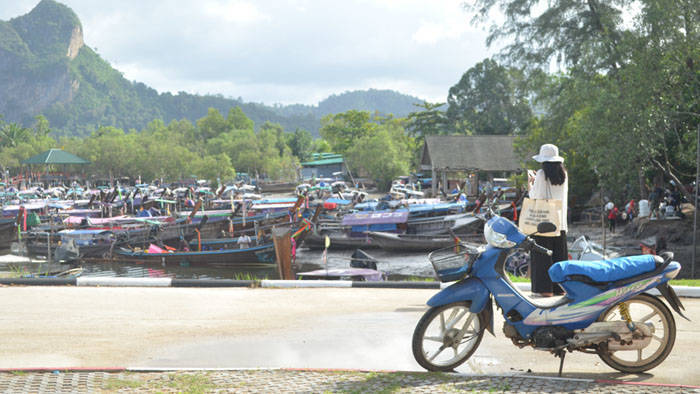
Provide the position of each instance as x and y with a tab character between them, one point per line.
561	354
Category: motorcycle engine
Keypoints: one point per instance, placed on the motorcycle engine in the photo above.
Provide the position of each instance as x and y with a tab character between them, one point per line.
514	335
551	337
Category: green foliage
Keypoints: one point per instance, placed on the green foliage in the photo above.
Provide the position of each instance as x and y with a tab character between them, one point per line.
626	110
301	143
384	101
382	151
581	34
342	130
489	99
429	121
171	152
212	125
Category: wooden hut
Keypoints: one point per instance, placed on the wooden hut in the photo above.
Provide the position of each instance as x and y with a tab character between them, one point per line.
492	155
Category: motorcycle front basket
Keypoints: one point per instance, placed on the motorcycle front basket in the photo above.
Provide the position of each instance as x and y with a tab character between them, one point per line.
453	263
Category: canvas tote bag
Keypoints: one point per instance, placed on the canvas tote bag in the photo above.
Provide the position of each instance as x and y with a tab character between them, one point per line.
536	211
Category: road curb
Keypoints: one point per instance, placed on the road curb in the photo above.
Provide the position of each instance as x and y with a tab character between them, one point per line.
123	282
170	282
66	369
682	291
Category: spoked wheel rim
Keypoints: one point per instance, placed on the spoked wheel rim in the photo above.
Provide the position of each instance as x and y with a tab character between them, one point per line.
447	336
643	309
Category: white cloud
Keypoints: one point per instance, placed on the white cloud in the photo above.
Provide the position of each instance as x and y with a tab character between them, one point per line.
234	11
281	51
431	32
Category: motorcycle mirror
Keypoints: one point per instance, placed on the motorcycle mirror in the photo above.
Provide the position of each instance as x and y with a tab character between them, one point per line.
546	227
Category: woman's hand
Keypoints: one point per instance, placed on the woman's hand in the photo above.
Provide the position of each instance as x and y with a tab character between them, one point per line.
530	178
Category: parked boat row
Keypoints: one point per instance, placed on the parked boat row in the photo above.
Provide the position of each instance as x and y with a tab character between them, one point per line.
227	226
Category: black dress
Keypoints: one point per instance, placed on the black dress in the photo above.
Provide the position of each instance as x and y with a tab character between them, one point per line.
540	263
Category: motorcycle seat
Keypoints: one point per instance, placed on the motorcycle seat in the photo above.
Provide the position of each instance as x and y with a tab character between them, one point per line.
604	271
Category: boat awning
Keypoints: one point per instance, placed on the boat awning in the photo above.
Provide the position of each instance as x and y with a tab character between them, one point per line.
375	217
165	201
285	200
339	201
260	207
366	205
78	233
415	208
11	210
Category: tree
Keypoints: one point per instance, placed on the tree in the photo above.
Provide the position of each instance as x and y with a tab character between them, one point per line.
301	144
631	90
112	152
380	156
489	99
212	125
237	120
321	146
41	127
429	121
213	167
581	34
12	134
341	130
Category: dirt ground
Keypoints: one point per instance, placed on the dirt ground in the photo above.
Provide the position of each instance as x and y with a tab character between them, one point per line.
678	234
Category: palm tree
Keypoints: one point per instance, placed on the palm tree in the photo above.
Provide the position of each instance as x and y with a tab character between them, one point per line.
12	134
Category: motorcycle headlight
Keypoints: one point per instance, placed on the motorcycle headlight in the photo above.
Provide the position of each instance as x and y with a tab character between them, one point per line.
496	239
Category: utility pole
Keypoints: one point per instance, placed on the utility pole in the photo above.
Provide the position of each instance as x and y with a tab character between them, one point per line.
695	203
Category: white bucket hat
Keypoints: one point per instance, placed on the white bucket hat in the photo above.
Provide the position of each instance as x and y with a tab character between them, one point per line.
548	152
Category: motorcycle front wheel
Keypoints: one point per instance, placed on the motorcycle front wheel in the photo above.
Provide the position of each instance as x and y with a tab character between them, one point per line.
648	310
446	336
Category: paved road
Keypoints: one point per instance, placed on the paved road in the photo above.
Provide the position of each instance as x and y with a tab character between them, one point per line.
61	327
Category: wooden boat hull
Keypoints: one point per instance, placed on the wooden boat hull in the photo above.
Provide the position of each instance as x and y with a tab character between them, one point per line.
8	234
338	241
262	254
277	187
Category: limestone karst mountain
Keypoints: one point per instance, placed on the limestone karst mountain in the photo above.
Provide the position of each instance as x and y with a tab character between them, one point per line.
46	68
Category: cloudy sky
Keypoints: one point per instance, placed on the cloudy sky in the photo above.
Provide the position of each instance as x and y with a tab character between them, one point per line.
281	51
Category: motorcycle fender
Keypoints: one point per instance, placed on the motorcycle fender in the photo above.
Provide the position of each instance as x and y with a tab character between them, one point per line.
670	295
472	290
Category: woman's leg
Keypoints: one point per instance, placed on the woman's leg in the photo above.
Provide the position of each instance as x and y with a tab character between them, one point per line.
539	266
560	252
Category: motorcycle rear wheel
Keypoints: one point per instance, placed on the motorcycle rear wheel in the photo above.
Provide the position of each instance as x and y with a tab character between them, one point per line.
446	336
647	309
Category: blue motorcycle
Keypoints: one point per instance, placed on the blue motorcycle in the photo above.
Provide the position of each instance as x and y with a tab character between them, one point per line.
605	310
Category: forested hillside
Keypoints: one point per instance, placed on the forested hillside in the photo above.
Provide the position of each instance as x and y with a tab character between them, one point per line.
45	68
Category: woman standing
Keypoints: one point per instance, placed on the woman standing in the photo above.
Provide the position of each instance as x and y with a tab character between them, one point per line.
551	183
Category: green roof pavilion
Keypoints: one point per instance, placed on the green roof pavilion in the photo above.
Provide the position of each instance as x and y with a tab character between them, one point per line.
55	156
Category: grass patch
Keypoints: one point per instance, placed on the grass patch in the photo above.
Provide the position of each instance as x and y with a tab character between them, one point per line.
419	279
114	384
685	282
387	383
191	383
247	276
517	279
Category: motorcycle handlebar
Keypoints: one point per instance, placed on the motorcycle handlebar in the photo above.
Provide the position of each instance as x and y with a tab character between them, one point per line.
533	246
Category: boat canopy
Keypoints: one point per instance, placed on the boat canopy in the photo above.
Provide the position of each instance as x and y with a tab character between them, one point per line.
339	201
375	217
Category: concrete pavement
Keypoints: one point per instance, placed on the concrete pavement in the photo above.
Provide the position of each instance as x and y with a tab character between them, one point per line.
369	329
